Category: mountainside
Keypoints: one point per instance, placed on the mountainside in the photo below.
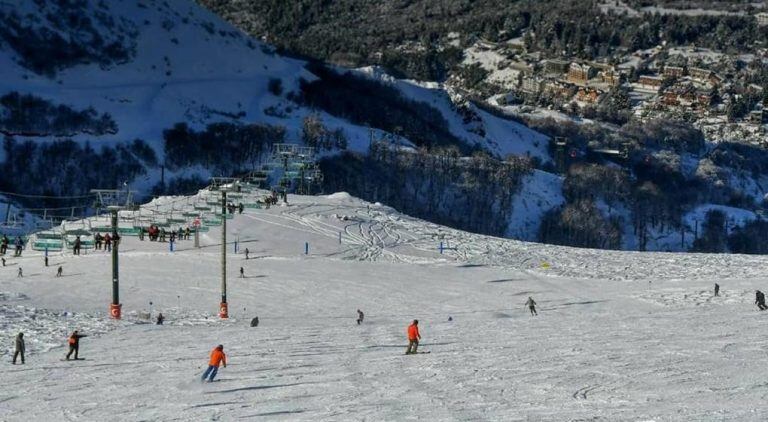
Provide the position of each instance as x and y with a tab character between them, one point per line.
161	95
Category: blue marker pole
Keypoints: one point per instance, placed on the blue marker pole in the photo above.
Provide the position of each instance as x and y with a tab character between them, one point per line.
170	246
306	248
441	247
339	238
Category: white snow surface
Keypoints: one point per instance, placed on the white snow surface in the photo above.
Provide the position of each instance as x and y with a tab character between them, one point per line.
619	336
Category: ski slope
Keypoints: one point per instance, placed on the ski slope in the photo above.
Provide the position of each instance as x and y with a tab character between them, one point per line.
619	336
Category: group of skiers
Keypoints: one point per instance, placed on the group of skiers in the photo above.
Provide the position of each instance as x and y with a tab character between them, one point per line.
106	240
157	234
17	243
73	341
231	208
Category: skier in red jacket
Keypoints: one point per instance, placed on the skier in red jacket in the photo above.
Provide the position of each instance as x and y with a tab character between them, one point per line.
413	337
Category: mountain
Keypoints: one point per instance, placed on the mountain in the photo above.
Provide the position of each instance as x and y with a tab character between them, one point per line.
161	95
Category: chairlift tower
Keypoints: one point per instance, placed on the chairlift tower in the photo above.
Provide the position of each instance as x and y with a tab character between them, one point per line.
224	185
114	200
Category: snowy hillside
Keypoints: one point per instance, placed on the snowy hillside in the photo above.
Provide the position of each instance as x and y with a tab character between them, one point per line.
619	336
183	64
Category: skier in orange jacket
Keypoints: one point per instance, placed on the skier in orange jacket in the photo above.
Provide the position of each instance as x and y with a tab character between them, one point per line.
413	337
217	357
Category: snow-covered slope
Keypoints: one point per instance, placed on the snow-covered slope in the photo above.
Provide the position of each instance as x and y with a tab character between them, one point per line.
619	336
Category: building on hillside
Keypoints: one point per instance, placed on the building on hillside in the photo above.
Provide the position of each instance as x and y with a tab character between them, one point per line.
588	95
757	116
650	81
762	18
531	84
611	77
555	66
558	88
673	71
580	73
700	74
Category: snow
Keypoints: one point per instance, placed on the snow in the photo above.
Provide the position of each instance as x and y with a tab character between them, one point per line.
501	137
620	335
541	192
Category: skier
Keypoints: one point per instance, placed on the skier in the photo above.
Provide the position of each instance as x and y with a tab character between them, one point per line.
255	322
3	259
717	289
78	244
413	338
360	317
45	260
242	272
531	305
217	357
20	348
59	271
246	253
4	245
20	273
19	245
760	300
240	208
186	233
160	318
74	343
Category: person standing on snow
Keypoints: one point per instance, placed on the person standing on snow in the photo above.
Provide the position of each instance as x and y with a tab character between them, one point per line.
20	273
242	272
360	317
59	271
74	343
413	338
217	357
160	318
717	289
531	305
247	252
760	300
20	348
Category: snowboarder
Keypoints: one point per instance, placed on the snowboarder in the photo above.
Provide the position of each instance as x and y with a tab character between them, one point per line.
217	357
360	317
413	338
247	252
20	348
255	322
20	273
74	343
760	300
59	271
531	305
717	289
242	272
160	318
